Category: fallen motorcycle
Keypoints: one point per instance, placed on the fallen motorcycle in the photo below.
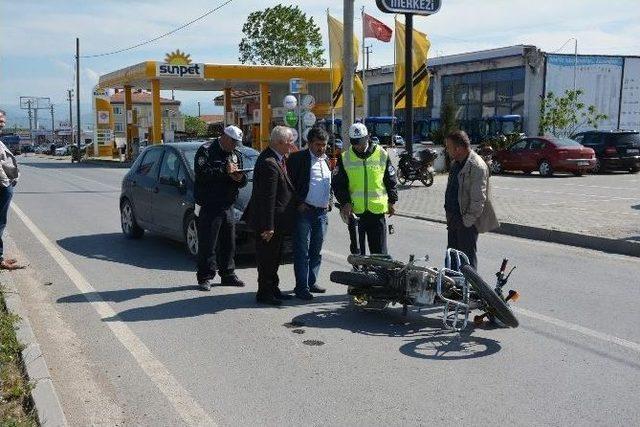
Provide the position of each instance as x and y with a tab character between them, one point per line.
378	280
411	169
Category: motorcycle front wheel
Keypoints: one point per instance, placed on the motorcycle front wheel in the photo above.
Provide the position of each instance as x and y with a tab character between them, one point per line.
426	178
496	306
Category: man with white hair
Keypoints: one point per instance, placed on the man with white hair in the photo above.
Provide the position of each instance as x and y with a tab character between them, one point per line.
218	177
271	213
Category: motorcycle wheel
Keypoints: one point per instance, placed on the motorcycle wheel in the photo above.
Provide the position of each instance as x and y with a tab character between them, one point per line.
426	178
401	178
495	305
357	279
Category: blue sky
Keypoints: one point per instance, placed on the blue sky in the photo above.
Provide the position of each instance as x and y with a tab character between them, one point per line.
37	38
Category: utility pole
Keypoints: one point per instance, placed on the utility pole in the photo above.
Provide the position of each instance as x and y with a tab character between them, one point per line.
368	50
30	125
78	91
347	78
70	99
198	109
53	129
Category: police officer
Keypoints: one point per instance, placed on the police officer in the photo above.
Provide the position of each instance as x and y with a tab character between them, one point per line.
218	177
364	184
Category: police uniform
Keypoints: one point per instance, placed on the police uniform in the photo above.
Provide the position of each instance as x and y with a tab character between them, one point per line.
215	192
368	182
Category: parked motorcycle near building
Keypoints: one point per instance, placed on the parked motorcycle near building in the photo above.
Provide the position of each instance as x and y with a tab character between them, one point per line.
417	169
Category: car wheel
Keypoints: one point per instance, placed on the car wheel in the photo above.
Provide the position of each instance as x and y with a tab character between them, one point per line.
545	168
598	167
496	167
128	222
634	170
191	234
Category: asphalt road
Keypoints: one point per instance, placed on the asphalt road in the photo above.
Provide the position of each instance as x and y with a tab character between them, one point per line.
130	340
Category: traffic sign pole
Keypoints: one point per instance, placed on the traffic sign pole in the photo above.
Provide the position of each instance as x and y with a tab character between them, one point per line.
409	8
408	82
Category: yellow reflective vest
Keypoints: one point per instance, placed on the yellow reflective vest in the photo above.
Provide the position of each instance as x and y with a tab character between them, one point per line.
366	180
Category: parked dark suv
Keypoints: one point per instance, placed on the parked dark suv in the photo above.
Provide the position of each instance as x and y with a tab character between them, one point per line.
615	149
157	195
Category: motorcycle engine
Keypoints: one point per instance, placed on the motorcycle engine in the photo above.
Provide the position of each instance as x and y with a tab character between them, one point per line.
421	288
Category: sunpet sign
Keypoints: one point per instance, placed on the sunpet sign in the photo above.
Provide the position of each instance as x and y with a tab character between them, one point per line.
178	64
184	71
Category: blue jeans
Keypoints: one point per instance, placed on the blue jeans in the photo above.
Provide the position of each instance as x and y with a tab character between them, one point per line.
310	229
6	193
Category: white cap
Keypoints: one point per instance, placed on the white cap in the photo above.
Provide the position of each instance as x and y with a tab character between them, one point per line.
358	131
234	133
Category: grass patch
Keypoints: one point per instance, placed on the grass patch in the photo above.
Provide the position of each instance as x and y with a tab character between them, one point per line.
16	408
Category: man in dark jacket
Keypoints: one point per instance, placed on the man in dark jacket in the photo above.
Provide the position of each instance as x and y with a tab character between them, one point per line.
218	177
310	174
270	213
364	184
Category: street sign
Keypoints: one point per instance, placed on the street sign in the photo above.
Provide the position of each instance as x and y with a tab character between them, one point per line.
417	7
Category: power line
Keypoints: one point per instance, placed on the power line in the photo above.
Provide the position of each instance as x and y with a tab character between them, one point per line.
160	36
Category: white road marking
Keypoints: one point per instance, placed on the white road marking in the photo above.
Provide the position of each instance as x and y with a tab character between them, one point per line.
188	409
580	329
551	320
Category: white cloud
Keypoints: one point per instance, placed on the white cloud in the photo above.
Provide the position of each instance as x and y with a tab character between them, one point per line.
39	37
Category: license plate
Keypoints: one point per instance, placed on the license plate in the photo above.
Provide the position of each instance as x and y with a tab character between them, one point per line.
583	163
633	151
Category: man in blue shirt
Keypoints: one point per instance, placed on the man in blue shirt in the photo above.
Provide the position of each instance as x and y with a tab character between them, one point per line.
311	177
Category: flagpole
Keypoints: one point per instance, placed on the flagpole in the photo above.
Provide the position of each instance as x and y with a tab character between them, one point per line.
364	71
333	109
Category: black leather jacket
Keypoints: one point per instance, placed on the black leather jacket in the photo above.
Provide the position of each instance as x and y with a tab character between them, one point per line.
213	186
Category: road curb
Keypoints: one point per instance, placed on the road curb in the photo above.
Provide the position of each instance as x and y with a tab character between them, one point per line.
615	246
108	163
47	404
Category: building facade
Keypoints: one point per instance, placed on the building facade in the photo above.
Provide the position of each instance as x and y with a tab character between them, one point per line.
512	81
172	118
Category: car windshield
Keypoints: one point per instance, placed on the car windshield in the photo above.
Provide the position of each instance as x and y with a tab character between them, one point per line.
248	158
565	142
627	139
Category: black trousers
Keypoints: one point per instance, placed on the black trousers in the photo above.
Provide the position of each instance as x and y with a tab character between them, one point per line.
268	259
371	228
463	239
216	242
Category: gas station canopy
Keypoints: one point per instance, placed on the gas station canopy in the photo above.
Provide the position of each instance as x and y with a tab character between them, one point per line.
178	73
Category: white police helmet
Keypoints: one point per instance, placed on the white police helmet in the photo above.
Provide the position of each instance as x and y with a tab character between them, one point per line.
358	133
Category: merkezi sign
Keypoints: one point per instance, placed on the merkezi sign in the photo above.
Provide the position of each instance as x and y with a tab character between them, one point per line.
417	7
183	71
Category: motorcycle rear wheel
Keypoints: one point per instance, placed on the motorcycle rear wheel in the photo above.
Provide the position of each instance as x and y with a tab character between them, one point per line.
357	279
401	178
426	178
495	305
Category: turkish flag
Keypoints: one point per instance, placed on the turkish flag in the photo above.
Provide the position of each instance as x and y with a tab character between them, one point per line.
376	29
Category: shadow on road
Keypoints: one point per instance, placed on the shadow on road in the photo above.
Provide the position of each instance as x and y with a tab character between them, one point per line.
636	207
152	252
200	306
123	294
423	336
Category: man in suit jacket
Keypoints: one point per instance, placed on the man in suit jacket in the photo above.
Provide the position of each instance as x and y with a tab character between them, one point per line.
467	205
270	213
309	171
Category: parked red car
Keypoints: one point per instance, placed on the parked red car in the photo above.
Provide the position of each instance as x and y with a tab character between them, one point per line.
546	155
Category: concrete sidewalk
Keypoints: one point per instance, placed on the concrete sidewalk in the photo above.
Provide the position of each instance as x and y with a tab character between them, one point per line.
597	212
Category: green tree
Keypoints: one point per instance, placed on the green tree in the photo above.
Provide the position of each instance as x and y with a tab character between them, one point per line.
562	116
281	35
194	126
